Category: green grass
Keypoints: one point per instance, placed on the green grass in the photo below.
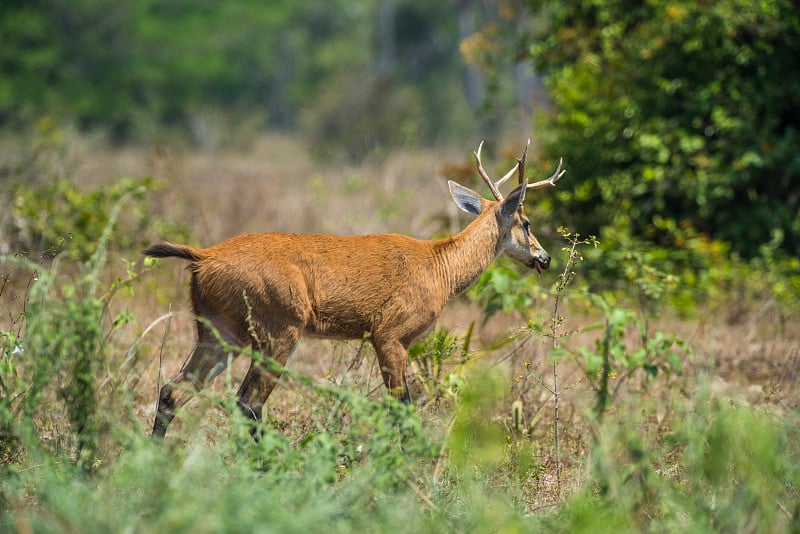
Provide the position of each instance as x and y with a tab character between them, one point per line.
583	413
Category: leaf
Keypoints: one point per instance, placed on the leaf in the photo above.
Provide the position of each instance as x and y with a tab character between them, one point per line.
593	326
600	302
501	282
651	370
124	318
675	361
636	359
594	362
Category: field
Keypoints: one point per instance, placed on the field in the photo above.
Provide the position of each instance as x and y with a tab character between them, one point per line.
552	402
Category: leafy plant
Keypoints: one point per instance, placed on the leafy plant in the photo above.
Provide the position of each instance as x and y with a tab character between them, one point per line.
432	354
678	114
502	288
712	465
55	356
58	216
611	358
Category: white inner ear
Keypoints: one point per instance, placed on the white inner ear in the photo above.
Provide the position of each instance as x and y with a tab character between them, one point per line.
465	198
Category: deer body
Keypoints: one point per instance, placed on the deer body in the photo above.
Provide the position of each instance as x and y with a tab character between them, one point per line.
267	290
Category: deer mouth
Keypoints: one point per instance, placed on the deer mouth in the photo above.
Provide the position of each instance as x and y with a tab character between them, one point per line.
540	265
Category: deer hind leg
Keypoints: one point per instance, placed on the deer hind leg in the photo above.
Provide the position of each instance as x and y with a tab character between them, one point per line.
208	359
393	359
260	380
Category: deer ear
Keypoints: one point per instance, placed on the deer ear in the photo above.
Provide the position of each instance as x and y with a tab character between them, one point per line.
513	202
465	198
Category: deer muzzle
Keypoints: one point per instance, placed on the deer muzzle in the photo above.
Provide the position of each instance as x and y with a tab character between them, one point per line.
541	262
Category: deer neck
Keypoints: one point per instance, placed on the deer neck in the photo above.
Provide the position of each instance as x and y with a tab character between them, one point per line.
463	257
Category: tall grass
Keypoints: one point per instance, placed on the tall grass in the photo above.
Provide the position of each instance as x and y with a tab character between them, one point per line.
646	442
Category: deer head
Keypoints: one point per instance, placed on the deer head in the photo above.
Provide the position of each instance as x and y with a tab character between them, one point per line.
516	239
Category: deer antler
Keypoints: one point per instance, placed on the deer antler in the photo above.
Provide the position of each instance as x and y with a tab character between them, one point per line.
519	168
552	180
494	187
521	164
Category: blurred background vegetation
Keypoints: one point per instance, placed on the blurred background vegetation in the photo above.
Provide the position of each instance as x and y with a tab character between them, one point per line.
678	119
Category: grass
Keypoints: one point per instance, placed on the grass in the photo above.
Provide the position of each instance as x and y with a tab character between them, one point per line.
710	448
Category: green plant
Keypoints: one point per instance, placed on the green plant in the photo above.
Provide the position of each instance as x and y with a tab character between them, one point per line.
502	288
665	108
611	359
574	255
430	357
780	280
49	218
55	355
712	466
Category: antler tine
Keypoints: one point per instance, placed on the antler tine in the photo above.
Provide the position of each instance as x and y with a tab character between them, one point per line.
482	172
521	162
552	180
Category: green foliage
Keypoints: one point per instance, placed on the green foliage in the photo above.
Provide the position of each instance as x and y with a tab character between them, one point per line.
129	65
430	357
503	288
612	359
476	441
722	468
778	280
677	115
694	273
61	352
353	430
482	451
58	216
205	71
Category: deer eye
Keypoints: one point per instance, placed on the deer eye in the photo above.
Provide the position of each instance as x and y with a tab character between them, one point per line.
526	226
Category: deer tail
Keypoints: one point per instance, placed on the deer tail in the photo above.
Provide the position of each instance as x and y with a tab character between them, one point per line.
166	250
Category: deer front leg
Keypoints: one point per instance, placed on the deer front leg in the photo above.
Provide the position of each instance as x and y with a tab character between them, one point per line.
393	359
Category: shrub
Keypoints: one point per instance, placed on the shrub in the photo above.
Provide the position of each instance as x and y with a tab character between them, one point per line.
58	216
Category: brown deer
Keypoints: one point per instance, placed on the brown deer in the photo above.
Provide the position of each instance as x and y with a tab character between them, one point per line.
266	290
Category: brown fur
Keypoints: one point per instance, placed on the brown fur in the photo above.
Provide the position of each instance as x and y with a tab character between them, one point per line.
266	290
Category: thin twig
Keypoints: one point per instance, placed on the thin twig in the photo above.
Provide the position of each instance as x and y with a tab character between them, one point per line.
427	500
556	391
130	356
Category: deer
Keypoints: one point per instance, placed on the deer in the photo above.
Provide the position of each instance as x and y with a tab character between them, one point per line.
267	290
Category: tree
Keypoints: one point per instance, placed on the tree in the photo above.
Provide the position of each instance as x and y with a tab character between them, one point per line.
677	114
134	67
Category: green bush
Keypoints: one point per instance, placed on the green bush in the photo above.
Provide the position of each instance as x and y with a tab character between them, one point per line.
675	112
56	355
722	467
50	214
57	217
